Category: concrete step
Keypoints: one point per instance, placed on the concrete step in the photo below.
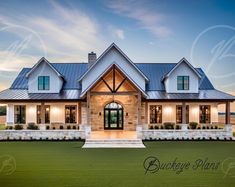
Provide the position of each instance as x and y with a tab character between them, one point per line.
113	143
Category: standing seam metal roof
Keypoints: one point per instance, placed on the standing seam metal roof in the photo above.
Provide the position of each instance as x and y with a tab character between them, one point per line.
73	71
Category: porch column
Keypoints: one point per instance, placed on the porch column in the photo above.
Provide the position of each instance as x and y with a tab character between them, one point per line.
184	126
227	117
88	125
183	113
88	108
42	113
139	109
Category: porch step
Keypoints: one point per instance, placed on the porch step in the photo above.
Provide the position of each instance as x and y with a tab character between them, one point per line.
113	143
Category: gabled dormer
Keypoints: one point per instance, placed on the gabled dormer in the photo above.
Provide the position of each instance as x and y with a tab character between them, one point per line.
44	78
182	78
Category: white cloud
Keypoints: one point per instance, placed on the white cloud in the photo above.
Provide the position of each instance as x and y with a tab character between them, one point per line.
147	18
120	34
67	35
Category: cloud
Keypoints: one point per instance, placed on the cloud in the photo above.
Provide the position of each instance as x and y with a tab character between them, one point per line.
68	34
147	18
120	34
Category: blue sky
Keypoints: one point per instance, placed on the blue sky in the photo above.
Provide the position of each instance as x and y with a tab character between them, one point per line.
203	31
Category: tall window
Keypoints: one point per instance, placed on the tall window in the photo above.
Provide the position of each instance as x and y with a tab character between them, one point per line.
182	82
70	114
205	114
43	83
47	114
179	114
155	114
20	113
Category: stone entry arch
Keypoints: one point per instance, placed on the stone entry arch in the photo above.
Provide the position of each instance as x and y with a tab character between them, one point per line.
113	116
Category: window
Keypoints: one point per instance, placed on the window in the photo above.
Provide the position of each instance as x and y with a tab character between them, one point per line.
20	113
205	114
155	114
43	83
70	114
182	82
179	114
47	114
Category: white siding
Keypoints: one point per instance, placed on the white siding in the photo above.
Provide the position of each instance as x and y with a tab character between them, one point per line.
44	70
57	112
182	70
169	111
113	56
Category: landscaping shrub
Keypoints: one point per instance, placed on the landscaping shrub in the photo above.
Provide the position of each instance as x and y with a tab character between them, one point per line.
151	127
193	125
203	127
61	127
78	127
216	127
9	128
74	127
18	127
32	126
169	125
68	127
47	127
162	127
177	127
156	127
53	128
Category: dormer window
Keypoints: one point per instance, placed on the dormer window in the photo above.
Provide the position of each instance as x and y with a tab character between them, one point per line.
43	83
182	82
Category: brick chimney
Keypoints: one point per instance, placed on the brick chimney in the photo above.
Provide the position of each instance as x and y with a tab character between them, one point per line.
91	59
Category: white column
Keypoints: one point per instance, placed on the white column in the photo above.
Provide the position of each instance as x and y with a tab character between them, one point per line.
10	114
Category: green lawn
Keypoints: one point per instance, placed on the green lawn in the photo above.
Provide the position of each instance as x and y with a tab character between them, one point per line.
67	164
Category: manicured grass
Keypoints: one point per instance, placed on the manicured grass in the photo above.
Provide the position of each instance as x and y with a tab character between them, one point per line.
67	164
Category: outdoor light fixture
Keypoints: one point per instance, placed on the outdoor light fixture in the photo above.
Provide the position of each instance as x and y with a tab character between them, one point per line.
99	113
126	113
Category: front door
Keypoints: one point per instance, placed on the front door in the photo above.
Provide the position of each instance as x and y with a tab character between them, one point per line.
113	116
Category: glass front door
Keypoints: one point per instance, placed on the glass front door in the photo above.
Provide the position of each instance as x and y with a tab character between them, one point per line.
113	116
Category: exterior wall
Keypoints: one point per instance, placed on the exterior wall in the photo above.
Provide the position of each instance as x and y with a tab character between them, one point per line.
57	112
169	111
113	56
182	70
83	113
98	102
44	70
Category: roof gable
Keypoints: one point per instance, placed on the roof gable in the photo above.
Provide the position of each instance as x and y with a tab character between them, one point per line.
183	60
43	60
113	45
107	70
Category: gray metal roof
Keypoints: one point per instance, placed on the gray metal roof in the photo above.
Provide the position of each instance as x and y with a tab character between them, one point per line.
20	94
73	71
202	95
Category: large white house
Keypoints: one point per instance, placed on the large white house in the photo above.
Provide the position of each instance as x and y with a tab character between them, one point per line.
112	93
